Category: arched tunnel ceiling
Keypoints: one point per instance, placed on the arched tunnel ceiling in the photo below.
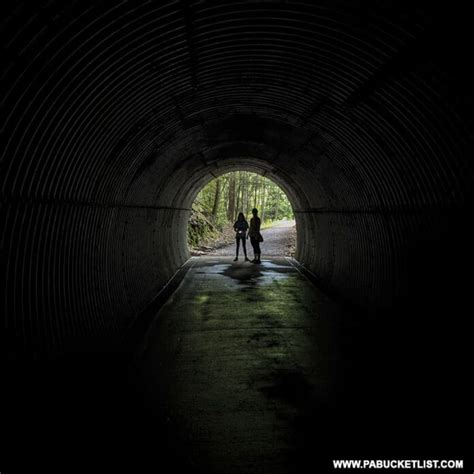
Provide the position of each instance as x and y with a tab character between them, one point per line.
114	113
108	85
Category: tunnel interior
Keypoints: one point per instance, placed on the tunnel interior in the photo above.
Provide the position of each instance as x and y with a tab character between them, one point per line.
115	114
113	118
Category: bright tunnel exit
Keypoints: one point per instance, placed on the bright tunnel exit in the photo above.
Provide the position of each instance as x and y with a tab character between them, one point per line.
215	211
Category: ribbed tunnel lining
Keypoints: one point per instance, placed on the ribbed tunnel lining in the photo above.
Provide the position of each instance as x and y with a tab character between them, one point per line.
114	115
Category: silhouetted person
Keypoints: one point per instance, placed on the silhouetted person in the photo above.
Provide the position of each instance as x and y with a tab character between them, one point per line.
255	236
241	226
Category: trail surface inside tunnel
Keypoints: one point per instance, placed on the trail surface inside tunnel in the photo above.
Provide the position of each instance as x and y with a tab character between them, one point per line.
237	361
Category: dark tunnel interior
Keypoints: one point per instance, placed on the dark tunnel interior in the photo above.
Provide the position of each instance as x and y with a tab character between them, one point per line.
114	116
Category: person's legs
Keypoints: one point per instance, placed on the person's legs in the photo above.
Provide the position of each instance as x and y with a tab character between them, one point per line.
254	245
257	249
237	241
244	247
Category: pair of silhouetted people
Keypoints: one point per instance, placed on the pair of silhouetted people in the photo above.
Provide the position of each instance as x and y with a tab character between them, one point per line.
241	227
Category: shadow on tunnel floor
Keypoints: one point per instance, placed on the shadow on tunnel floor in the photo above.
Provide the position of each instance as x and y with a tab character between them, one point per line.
79	413
91	415
402	392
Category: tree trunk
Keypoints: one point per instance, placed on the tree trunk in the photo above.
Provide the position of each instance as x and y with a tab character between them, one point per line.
245	194
256	189
264	199
275	209
239	194
217	196
231	202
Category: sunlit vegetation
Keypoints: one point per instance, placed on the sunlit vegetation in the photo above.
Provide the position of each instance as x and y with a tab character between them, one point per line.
216	207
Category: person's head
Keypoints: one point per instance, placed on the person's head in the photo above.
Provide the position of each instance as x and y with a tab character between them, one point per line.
241	217
254	211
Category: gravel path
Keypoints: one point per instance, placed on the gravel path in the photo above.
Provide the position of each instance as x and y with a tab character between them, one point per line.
278	240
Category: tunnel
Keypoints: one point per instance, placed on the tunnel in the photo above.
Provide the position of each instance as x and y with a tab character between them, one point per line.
116	114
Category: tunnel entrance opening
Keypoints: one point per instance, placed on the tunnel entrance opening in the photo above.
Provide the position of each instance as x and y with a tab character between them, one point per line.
217	206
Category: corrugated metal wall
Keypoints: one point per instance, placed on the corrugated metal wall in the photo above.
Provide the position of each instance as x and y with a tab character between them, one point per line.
115	113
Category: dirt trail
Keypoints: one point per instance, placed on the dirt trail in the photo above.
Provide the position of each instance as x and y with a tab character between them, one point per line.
279	240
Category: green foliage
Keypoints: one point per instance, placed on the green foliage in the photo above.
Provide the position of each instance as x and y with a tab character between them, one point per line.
219	202
198	229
